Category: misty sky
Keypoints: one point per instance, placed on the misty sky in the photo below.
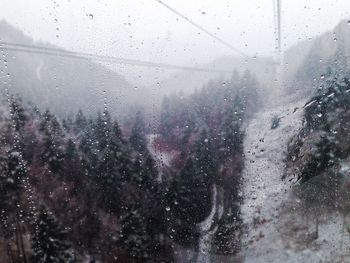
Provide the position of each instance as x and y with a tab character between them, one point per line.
144	29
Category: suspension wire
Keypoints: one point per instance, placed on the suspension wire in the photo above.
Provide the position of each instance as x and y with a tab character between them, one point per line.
279	18
236	50
88	56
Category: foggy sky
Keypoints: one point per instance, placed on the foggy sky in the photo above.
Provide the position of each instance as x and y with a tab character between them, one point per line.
144	29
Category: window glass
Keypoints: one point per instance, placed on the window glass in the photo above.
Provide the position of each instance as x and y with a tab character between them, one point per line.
174	131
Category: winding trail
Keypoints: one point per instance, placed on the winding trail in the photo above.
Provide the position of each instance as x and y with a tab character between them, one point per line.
208	229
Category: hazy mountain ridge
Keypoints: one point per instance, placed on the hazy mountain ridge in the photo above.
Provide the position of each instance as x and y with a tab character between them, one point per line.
309	61
63	84
187	81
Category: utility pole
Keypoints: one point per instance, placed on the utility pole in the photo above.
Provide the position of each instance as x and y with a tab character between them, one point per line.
275	89
277	4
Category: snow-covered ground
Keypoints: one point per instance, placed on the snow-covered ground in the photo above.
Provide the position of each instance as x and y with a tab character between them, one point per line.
208	229
263	188
274	231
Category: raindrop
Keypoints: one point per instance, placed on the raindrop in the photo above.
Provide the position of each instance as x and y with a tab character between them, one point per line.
348	22
335	39
90	16
167	208
322	76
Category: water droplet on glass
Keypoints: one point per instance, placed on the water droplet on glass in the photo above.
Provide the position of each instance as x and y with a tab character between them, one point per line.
90	16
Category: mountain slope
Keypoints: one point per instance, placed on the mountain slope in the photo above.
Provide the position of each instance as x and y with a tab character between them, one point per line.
308	61
187	81
63	84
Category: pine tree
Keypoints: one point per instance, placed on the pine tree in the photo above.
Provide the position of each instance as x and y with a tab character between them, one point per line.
80	122
49	242
143	227
133	236
205	157
11	175
191	194
166	119
232	136
18	114
51	153
144	172
113	167
137	138
72	167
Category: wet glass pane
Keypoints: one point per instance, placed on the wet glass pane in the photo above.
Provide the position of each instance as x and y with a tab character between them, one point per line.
174	131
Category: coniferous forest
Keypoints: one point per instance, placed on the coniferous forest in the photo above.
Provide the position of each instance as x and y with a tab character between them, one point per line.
86	187
127	137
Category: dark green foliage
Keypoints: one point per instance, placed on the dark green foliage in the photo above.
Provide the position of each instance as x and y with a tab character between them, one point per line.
231	135
80	122
189	195
10	181
141	230
49	242
51	153
326	120
144	172
137	137
207	108
18	115
72	168
191	200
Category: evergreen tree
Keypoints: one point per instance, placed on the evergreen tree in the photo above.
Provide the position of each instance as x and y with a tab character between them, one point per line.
11	175
138	138
80	122
143	229
190	194
18	114
166	119
72	167
113	167
51	153
133	236
232	136
144	173
67	124
49	242
204	156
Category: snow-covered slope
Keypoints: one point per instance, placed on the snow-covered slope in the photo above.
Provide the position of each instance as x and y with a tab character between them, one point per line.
276	229
264	190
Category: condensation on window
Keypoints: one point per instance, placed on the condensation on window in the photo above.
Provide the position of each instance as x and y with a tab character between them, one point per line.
174	131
